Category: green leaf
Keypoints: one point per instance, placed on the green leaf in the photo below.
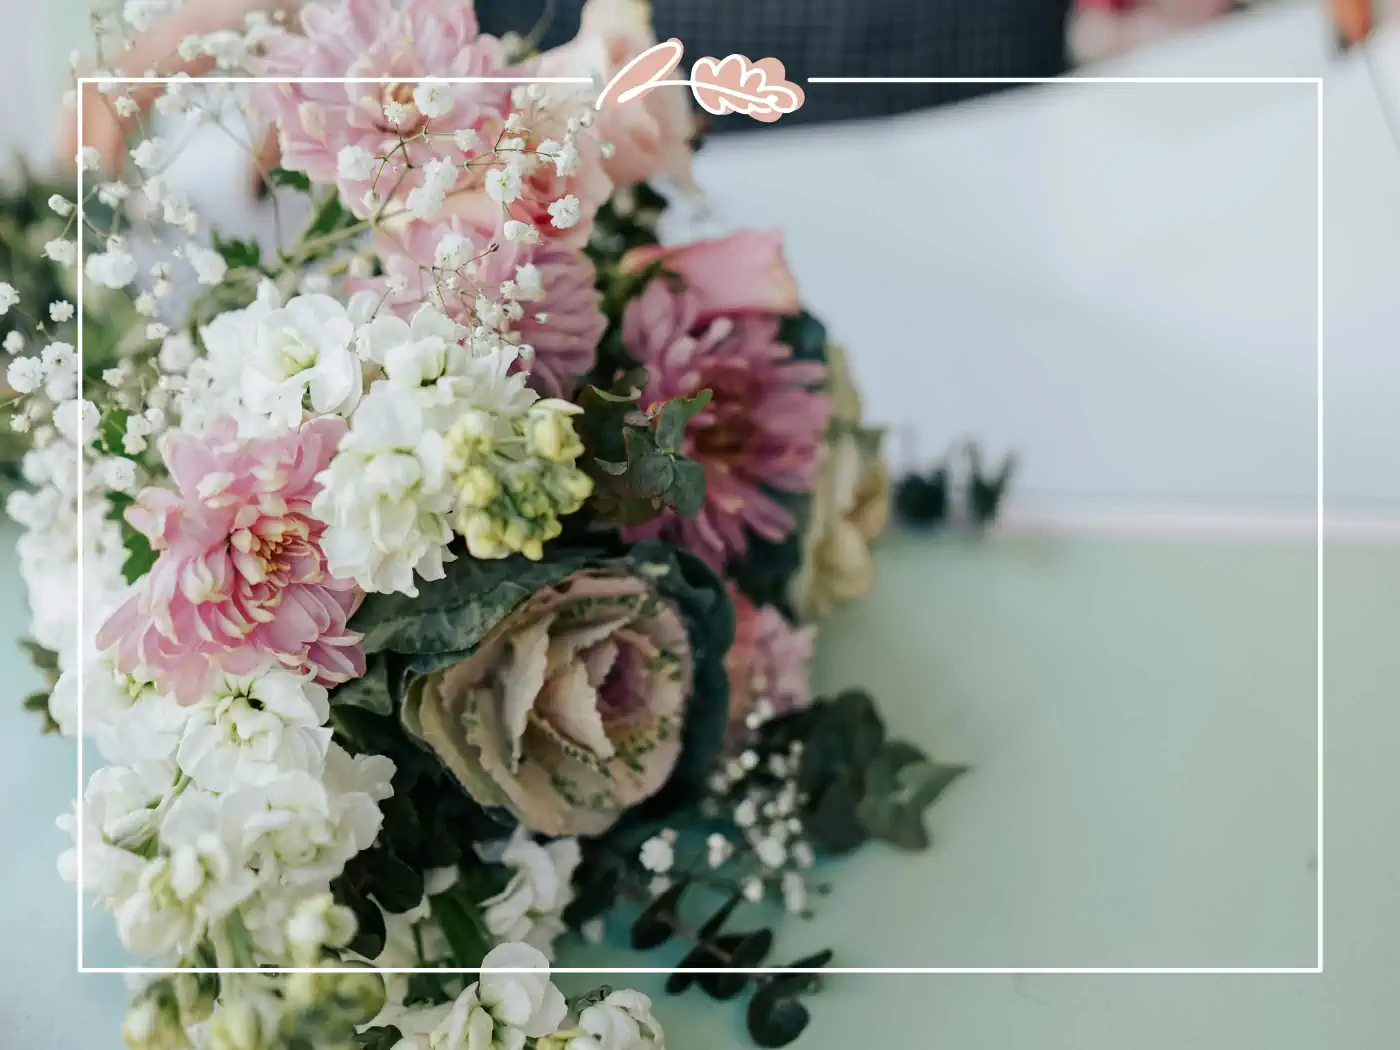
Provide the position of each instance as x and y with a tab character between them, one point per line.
45	660
901	784
238	253
370	691
297	180
369	920
396	886
453	614
687	491
675	414
463	927
111	432
742	952
329	217
385	1038
652	475
657	923
775	1016
139	555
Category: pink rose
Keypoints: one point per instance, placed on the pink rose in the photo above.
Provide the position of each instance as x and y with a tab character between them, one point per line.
650	136
739	274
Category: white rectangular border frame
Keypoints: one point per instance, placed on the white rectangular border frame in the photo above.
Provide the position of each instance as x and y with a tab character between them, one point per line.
1316	82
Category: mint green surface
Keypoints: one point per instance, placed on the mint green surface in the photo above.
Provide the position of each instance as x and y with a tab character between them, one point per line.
1142	719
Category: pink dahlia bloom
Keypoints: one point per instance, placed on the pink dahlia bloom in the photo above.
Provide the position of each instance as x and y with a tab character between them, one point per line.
378	38
742	273
767	666
563	326
240	578
763	430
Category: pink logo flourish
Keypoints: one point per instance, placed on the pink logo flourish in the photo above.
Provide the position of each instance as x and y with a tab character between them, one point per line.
732	85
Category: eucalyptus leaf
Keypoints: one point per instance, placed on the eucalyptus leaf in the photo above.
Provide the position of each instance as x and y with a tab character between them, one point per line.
675	415
652	476
901	784
687	491
775	1016
657	923
741	952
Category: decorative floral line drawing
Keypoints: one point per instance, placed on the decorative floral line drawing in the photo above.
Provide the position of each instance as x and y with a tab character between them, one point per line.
720	86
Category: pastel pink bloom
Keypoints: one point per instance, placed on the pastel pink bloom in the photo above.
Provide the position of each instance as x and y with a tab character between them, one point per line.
769	662
650	136
764	428
744	272
378	38
240	577
565	343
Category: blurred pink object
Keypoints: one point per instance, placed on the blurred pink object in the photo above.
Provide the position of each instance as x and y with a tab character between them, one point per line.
240	578
1100	29
768	663
652	136
742	273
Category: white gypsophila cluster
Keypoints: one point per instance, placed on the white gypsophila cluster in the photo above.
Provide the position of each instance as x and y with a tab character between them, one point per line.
238	802
47	549
530	908
388	495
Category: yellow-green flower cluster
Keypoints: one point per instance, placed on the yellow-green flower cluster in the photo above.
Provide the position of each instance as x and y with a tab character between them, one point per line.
515	477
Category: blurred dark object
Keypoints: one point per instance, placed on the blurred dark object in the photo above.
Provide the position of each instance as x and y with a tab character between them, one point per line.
842	38
957	492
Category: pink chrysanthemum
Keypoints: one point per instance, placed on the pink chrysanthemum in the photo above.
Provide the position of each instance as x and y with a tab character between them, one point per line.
240	577
763	429
767	666
378	38
563	326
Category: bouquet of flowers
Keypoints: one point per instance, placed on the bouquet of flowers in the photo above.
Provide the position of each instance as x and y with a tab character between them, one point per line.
440	582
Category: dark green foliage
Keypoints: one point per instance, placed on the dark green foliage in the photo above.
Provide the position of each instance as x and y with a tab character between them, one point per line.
239	254
635	458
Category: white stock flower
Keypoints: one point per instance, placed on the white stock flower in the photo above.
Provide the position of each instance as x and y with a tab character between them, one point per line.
501	1010
302	356
416	353
529	908
301	829
198	879
386	496
251	728
209	266
123	802
127	719
622	1021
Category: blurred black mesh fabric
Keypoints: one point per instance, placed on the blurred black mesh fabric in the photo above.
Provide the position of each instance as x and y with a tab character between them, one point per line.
843	38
